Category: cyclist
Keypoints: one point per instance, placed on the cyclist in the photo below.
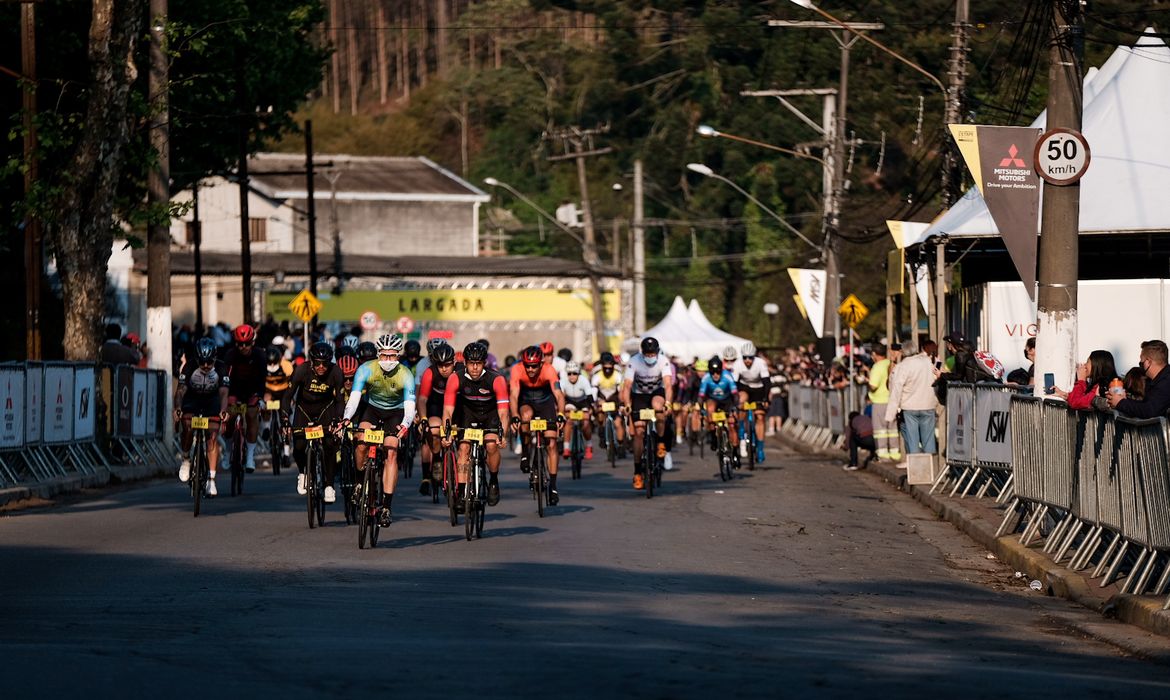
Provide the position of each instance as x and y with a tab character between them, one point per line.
751	376
390	406
701	368
347	346
608	383
534	391
421	368
579	396
411	354
492	363
648	384
432	385
348	367
275	380
317	388
477	397
202	390
366	352
718	393
247	369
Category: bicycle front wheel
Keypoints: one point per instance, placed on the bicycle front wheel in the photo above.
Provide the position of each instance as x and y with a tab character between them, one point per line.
196	477
538	472
449	484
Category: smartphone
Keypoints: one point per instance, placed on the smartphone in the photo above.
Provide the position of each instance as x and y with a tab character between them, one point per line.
938	365
1049	382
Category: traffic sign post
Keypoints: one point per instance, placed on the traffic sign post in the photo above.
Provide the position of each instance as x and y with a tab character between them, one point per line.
305	306
369	321
1062	156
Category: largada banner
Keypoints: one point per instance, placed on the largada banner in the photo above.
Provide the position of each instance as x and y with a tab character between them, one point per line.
810	285
11	407
999	158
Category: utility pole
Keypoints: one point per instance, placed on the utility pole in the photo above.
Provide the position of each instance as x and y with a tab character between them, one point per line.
312	206
242	180
1056	339
333	176
957	77
639	251
197	225
158	247
578	145
33	254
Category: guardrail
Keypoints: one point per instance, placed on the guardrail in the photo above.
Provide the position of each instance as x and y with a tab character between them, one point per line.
819	416
55	418
979	441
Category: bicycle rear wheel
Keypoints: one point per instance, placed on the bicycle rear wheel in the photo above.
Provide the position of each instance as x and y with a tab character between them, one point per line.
538	471
610	443
750	436
649	456
275	443
196	477
319	482
311	487
237	458
449	485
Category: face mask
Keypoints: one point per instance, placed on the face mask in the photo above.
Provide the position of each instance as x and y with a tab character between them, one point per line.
273	368
651	360
387	365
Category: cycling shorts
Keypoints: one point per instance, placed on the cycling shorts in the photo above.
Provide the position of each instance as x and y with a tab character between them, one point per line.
758	394
387	419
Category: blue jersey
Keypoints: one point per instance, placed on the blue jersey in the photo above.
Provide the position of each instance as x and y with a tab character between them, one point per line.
384	390
717	390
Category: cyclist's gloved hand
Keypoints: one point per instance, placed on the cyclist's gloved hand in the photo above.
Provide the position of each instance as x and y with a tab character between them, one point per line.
560	419
402	431
515	420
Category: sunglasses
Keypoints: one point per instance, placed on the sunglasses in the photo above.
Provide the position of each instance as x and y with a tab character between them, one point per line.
320	363
574	374
452	363
532	365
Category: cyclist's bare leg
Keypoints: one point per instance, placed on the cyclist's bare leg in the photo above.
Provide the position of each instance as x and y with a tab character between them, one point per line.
492	446
550	445
587	425
463	463
390	467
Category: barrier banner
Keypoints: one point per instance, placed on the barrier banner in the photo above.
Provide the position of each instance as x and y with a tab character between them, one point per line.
11	407
123	389
993	439
960	412
84	403
33	391
152	396
58	404
138	403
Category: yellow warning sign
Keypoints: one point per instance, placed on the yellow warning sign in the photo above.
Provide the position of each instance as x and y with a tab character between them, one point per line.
304	306
852	311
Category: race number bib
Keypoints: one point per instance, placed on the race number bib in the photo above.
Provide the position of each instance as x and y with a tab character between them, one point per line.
374	437
199	423
576	415
718	416
646	414
538	424
473	435
272	405
315	432
609	406
749	405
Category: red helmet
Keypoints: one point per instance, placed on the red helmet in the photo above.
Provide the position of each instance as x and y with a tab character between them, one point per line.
546	348
348	365
531	355
244	333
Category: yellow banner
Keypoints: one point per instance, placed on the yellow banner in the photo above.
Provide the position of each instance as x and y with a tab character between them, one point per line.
459	305
967	139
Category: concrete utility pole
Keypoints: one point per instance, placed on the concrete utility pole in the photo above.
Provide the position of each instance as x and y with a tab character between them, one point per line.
1056	340
639	251
333	176
242	180
957	75
158	246
580	141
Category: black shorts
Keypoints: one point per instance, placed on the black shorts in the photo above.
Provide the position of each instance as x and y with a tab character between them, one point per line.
728	405
580	403
543	409
640	401
434	407
207	406
471	419
387	419
757	394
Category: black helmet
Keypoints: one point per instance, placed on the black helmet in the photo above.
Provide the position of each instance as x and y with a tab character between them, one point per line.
714	365
649	346
484	343
321	352
433	345
345	351
366	351
474	352
607	358
204	350
412	349
273	355
443	354
565	354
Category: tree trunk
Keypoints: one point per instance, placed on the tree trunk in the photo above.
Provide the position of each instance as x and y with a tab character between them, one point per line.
334	18
424	44
383	64
82	233
404	23
442	50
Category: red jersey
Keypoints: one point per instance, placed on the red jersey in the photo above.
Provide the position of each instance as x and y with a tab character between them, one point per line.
536	390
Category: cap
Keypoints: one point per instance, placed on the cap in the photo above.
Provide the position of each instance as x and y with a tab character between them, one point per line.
955	336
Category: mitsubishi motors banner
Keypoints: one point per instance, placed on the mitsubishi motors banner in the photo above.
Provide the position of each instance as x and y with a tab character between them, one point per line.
810	285
11	407
999	158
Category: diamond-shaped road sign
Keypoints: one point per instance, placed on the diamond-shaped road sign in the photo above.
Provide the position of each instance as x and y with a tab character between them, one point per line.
305	306
852	311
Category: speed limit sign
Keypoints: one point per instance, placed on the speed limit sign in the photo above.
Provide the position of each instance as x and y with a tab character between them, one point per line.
1062	156
369	321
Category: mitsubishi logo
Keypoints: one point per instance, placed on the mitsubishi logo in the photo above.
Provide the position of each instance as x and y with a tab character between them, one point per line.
1012	160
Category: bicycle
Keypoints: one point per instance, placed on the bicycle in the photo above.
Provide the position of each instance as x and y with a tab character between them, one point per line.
723	448
370	488
347	475
576	443
749	409
651	462
610	433
450	486
538	463
407	449
314	474
696	436
238	446
475	492
200	462
276	443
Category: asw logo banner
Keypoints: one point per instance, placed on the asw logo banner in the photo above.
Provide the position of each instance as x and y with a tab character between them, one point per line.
810	285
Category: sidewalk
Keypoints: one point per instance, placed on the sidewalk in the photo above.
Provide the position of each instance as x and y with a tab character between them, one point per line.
979	518
115	474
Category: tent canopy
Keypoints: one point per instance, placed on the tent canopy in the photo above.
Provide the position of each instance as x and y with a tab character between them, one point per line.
687	333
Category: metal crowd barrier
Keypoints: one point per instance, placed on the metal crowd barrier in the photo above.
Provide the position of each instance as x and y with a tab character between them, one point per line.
1086	480
54	422
979	441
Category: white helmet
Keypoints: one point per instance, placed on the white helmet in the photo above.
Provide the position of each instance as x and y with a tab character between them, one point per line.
748	349
729	354
389	342
573	368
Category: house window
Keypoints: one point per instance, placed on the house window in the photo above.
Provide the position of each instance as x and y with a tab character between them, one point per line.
257	230
192	232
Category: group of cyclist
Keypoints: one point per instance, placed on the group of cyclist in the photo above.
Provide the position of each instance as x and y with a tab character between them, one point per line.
388	386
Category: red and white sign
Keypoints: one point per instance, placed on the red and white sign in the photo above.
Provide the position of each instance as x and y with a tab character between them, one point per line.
1062	156
369	321
404	324
445	335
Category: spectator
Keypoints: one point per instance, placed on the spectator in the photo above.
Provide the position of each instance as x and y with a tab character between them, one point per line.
113	352
859	435
911	394
884	431
1093	377
132	341
1030	356
777	397
1135	384
1157	390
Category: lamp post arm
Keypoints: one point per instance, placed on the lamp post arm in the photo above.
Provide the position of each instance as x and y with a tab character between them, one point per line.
516	193
761	205
770	147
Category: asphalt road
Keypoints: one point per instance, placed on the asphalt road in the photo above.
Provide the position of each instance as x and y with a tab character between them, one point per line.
797	580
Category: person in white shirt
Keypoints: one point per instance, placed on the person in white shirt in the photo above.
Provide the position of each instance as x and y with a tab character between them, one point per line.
649	383
912	394
580	395
751	376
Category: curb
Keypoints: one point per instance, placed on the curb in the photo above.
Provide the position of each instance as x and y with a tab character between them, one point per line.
115	474
1141	611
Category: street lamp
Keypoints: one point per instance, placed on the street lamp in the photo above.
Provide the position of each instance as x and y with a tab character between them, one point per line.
708	172
588	254
772	309
710	132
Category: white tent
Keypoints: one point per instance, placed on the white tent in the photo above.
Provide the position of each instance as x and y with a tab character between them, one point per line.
680	333
700	319
1126	109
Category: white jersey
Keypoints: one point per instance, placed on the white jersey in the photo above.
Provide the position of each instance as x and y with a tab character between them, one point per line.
755	376
578	389
649	378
